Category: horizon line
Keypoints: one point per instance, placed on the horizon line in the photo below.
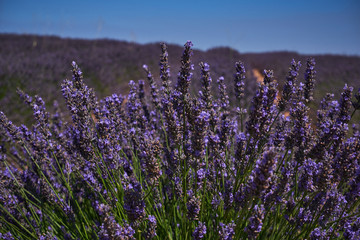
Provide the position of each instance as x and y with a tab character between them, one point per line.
179	45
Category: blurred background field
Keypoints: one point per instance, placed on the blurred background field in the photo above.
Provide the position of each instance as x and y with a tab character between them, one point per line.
38	65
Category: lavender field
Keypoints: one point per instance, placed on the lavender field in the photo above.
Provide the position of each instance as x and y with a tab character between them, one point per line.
166	142
38	64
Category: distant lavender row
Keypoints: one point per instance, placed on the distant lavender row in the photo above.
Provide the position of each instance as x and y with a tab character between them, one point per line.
165	163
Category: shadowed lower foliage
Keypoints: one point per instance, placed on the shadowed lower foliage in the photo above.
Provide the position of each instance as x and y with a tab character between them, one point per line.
162	163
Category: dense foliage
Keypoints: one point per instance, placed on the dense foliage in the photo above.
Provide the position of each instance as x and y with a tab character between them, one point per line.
167	164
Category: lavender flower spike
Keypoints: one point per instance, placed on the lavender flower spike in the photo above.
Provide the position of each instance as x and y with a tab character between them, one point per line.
239	80
255	222
260	176
205	94
153	87
133	203
199	232
151	231
290	85
193	207
165	69
185	74
224	98
310	74
345	105
227	231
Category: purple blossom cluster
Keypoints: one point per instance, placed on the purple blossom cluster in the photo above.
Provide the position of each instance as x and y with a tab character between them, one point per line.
161	163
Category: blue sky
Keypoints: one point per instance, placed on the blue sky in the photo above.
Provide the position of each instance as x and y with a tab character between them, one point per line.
305	26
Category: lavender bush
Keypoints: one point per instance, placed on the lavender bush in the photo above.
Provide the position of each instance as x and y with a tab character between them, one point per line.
170	165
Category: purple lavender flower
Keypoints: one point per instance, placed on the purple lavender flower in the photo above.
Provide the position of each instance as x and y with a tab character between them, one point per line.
346	159
193	207
317	202
151	229
215	202
153	87
300	136
262	108
38	106
226	231
224	98
340	127
310	74
149	154
326	117
80	101
6	236
199	232
260	176
240	153
111	230
199	126
309	169
165	70
228	195
47	236
281	131
206	80
141	93
239	80
107	144
304	216
333	206
185	74
133	201
137	119
352	229
133	105
10	128
280	188
172	124
226	131
255	222
324	174
290	85
318	234
353	194
345	105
